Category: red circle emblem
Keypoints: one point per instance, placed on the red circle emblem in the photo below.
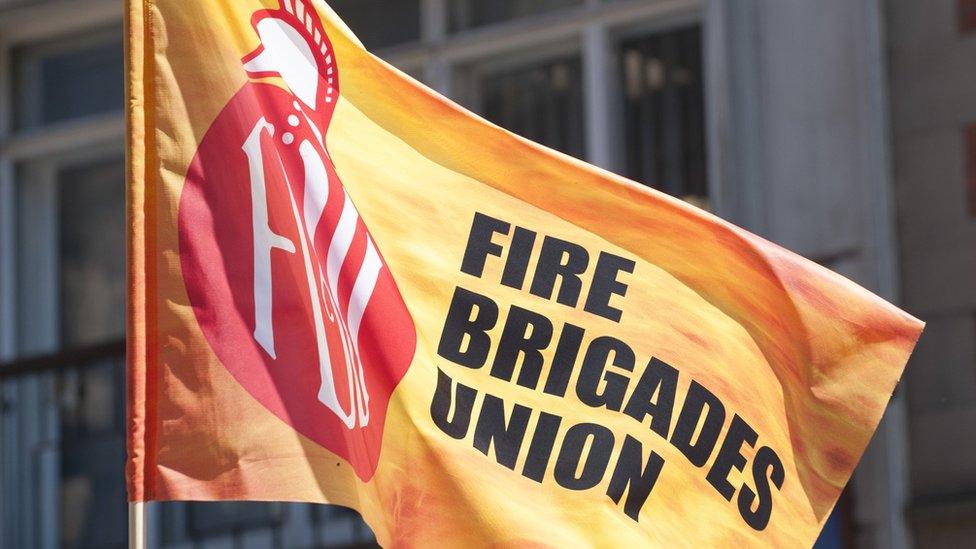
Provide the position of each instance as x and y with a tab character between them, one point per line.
285	280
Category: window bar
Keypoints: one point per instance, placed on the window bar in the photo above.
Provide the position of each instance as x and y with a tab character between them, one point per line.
672	116
694	122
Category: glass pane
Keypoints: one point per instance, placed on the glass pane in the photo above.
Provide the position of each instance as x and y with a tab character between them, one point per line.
664	112
92	253
36	261
67	79
381	23
543	102
227	517
466	14
836	533
343	527
90	257
70	264
92	493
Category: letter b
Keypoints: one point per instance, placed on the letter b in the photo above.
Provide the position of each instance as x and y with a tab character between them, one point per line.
470	315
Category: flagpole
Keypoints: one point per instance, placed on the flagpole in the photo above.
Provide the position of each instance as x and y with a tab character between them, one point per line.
137	525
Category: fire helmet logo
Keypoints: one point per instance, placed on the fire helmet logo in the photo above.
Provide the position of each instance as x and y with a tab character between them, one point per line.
283	275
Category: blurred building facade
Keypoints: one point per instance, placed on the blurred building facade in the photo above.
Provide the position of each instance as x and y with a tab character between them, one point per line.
932	53
841	129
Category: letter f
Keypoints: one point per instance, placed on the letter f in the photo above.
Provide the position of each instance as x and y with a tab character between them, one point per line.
265	240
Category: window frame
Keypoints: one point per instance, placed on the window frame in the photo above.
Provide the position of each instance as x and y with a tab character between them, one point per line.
20	27
44	292
466	79
637	41
32	110
450	60
45	147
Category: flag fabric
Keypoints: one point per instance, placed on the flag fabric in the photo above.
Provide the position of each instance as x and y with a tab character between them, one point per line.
345	288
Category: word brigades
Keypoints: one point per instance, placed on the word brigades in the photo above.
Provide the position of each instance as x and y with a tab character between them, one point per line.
572	366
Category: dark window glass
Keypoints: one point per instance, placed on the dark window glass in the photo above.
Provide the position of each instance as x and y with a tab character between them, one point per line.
67	79
830	536
342	527
92	258
836	532
664	112
331	526
381	23
227	517
466	14
542	102
92	502
91	262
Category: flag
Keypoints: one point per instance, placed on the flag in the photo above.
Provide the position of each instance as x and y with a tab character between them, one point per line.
345	288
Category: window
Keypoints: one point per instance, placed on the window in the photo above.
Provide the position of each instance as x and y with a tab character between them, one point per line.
91	215
381	23
466	14
664	112
70	257
70	263
66	228
68	78
836	533
215	518
91	265
542	102
343	527
92	510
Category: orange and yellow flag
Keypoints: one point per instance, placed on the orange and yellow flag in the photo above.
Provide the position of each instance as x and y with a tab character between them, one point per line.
345	288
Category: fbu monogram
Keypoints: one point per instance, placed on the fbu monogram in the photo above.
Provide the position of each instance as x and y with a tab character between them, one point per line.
284	278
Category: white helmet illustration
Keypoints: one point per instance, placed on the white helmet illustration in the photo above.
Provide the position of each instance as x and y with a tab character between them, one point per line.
294	47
